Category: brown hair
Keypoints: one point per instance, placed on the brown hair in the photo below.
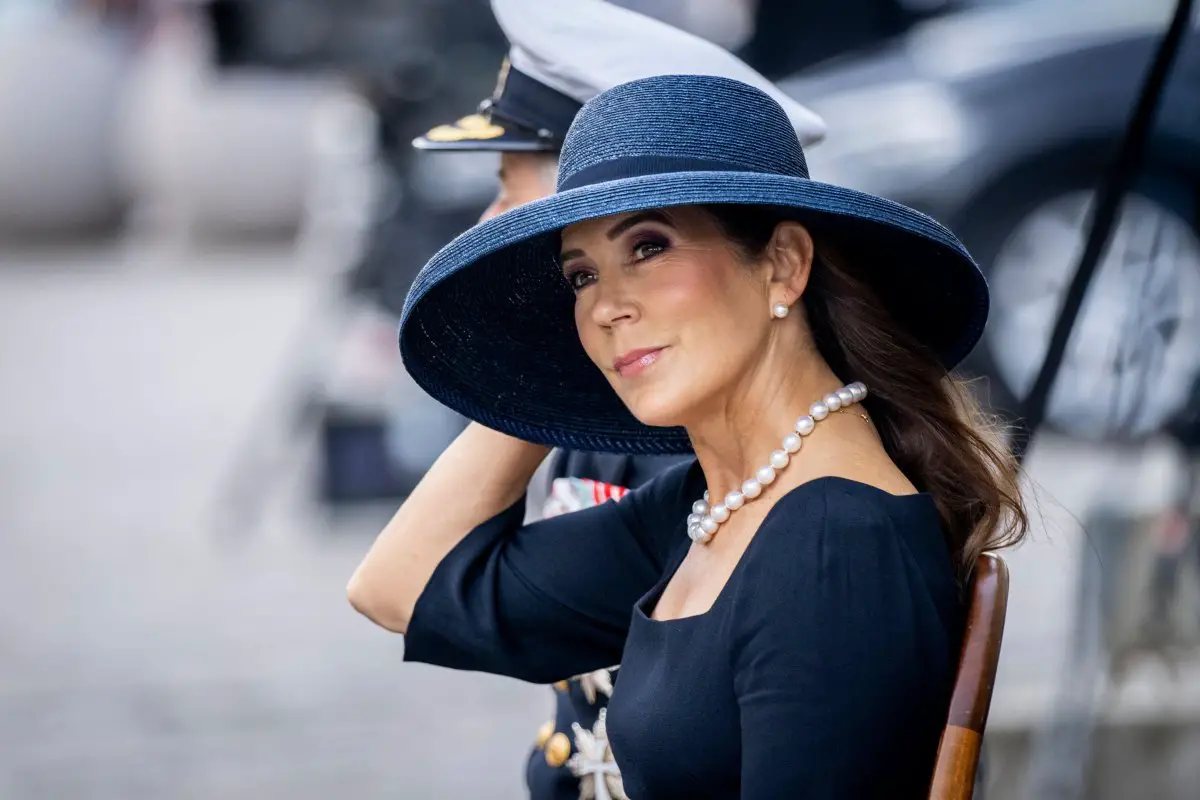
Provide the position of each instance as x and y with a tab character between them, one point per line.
930	423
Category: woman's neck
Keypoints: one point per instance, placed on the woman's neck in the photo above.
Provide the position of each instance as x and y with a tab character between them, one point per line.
738	436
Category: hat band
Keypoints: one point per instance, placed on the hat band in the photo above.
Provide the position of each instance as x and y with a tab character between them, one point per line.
639	166
531	104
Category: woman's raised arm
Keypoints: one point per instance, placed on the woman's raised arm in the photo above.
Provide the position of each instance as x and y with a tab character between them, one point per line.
480	474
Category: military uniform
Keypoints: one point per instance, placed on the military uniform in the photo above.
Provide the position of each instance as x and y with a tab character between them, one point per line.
562	55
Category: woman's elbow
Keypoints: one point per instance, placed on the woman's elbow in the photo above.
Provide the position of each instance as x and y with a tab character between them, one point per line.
377	604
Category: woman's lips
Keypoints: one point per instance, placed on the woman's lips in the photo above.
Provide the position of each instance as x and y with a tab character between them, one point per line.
636	362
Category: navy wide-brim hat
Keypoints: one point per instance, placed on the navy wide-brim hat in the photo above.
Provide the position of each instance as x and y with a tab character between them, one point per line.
488	327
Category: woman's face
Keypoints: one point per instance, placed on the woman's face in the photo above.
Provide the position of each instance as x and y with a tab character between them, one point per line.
668	310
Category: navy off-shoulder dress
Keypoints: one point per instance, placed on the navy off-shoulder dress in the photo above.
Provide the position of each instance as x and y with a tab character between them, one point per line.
822	670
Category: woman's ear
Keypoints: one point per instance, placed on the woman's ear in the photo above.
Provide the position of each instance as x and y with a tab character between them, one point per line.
789	257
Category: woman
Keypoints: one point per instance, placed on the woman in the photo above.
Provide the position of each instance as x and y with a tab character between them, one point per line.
786	608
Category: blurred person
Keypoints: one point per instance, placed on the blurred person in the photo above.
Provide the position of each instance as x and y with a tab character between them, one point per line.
582	49
785	605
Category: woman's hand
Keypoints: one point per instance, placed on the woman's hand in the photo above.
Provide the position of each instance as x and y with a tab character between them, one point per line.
479	475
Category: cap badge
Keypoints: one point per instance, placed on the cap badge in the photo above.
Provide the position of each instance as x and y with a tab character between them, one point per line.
473	127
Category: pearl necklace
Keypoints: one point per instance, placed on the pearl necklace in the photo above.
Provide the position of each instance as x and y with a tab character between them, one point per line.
704	520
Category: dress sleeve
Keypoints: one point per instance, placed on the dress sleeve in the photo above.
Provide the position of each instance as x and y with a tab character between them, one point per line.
841	659
551	599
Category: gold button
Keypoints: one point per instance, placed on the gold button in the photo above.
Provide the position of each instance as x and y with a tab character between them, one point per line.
544	733
558	749
562	686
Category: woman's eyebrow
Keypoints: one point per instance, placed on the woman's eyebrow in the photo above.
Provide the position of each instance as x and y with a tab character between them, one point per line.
630	221
622	226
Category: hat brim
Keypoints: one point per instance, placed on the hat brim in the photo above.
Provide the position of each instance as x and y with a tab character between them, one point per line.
488	326
496	137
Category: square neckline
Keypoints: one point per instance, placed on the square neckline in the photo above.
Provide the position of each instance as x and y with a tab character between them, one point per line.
648	603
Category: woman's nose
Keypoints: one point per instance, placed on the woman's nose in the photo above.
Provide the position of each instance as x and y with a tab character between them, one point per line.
614	303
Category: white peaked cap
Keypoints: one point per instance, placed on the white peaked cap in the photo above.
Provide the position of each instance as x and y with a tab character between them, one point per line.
585	47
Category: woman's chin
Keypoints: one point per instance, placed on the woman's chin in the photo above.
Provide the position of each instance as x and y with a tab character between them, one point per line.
657	413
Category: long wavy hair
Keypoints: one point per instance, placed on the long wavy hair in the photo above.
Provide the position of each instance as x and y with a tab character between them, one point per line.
931	425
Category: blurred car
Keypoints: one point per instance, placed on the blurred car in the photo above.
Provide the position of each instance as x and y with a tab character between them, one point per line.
999	121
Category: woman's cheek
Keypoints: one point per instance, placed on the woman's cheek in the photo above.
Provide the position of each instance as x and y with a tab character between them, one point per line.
684	288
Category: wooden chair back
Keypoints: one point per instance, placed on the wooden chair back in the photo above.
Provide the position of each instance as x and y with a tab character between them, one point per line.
958	751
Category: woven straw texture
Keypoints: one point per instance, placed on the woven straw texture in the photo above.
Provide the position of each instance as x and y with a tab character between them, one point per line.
488	326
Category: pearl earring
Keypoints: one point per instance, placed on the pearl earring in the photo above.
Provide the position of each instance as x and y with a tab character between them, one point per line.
779	310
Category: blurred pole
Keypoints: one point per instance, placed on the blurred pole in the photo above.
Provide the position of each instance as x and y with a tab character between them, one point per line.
1109	194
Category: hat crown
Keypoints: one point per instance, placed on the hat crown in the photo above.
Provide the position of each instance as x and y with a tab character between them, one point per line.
680	122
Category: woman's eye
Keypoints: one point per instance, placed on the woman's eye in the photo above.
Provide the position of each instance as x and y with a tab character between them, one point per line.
579	279
648	249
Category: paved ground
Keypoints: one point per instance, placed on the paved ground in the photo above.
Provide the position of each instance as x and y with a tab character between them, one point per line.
149	648
144	651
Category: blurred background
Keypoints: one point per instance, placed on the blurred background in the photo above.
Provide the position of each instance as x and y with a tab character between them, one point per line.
209	216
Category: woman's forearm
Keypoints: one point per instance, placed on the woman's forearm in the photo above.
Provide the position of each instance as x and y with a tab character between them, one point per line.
482	473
